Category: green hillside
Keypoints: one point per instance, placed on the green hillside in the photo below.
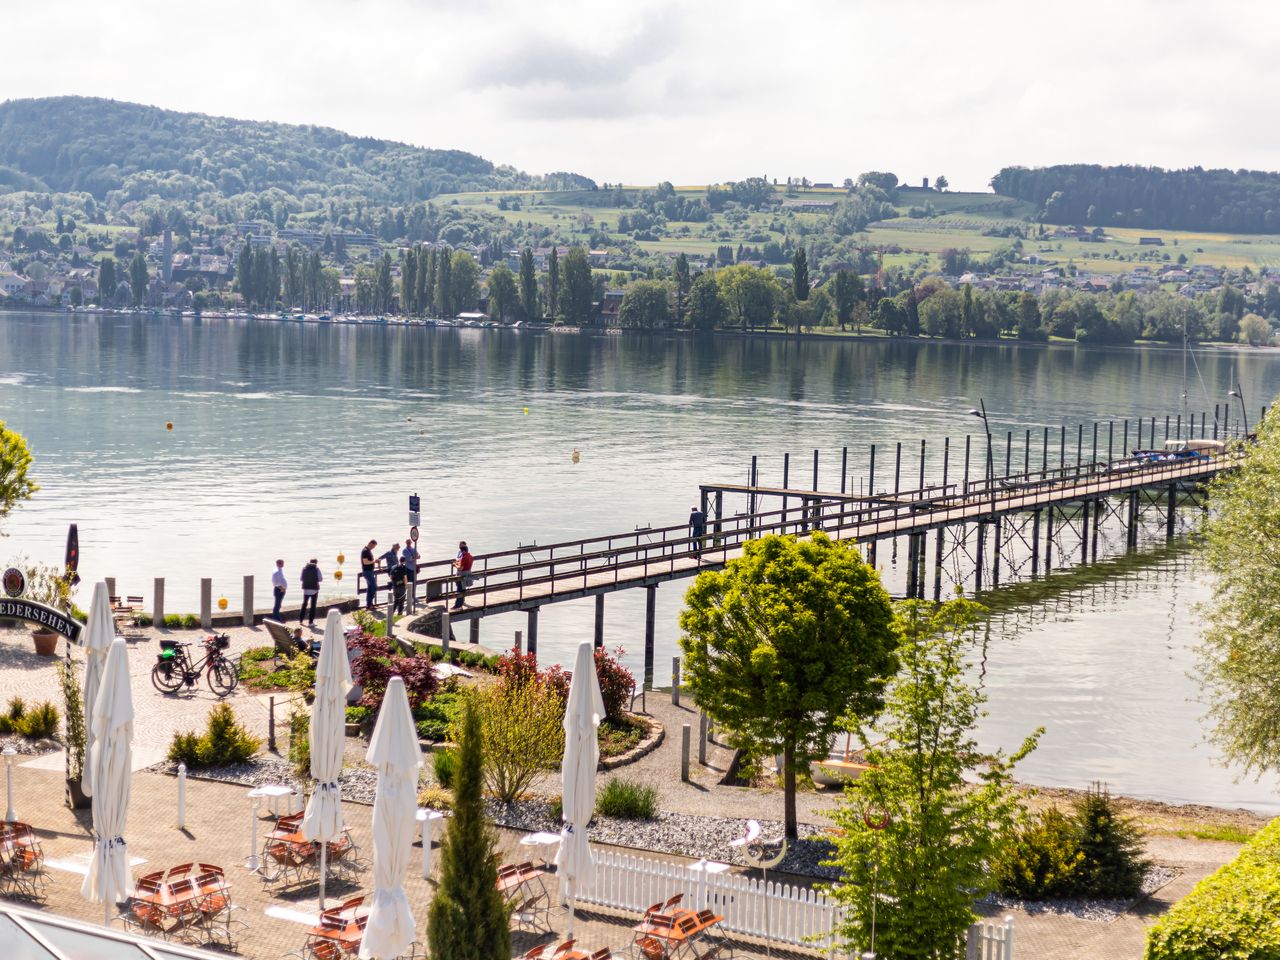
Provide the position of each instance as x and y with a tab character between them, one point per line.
119	152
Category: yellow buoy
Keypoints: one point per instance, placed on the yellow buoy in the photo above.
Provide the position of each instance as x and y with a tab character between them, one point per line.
222	603
526	411
337	574
169	425
342	558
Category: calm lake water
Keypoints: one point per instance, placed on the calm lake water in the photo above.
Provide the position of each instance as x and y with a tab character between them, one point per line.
296	440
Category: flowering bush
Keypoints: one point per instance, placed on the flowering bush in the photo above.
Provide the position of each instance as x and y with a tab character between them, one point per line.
516	669
616	683
376	663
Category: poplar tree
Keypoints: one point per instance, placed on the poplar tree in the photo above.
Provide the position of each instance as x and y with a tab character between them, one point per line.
408	282
528	285
577	287
467	919
138	278
553	283
683	285
107	280
800	275
444	288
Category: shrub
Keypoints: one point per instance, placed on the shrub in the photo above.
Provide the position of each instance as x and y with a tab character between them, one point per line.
555	807
1111	845
74	734
258	654
627	799
435	798
17	707
436	716
443	764
39	723
300	742
1043	859
376	663
522	732
516	668
616	683
223	742
181	621
358	714
1231	912
617	737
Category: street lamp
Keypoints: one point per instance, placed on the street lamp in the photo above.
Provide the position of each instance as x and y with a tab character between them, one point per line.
981	414
9	753
1238	393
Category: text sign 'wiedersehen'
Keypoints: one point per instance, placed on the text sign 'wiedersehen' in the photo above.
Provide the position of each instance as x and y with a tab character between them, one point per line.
38	613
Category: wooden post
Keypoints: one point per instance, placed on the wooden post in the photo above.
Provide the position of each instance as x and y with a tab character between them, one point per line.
946	461
751	497
1098	506
675	681
475	630
937	566
786	480
921	485
516	644
1044	454
1079	442
157	603
206	603
871	474
1008	452
716	527
844	467
897	469
1111	432
650	601
599	627
995	553
684	752
911	566
702	737
1131	534
247	603
531	627
815	470
982	549
446	629
1093	457
968	444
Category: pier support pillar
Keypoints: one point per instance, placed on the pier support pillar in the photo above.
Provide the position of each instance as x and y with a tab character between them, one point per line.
1131	531
995	552
475	630
532	629
1035	543
1048	541
650	605
716	525
246	608
599	630
981	555
206	603
1098	506
937	565
1171	511
446	631
157	602
911	566
1084	532
871	554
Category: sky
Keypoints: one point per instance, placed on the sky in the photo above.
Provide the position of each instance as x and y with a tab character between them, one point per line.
697	92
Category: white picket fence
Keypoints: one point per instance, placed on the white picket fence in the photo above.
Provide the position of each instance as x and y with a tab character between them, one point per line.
990	941
797	916
785	914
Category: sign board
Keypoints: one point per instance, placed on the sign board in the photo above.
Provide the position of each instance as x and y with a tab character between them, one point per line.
414	519
38	613
415	516
413	534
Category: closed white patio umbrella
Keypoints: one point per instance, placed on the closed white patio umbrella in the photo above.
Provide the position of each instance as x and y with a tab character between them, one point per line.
109	879
583	713
395	752
322	822
96	639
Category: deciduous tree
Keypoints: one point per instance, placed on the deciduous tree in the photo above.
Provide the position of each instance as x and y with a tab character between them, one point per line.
706	307
782	642
503	298
577	287
646	304
15	464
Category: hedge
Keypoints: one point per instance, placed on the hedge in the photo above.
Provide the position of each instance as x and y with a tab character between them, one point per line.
1233	913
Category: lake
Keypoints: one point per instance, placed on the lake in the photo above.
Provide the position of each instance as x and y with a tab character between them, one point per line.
297	440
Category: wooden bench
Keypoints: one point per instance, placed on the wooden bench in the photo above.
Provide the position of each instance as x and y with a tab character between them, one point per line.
283	639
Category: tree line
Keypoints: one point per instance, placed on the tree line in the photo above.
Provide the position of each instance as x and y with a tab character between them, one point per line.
1238	201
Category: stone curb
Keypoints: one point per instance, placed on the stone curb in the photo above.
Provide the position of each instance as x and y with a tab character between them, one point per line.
648	743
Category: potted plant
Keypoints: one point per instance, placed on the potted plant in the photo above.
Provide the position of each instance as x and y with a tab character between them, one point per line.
73	739
48	585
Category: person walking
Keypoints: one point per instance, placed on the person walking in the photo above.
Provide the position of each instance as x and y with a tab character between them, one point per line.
697	529
279	586
462	563
369	570
409	557
311	579
399	582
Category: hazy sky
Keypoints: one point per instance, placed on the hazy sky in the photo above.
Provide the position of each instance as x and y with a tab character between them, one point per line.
695	92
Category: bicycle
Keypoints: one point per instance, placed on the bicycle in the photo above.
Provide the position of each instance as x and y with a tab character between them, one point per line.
174	667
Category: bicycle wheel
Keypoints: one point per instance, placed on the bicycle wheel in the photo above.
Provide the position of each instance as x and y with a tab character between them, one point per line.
167	677
222	678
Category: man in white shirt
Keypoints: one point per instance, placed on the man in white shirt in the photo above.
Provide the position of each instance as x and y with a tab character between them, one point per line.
278	587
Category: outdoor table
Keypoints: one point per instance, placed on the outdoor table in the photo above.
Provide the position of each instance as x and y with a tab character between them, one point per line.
544	840
427	829
675	934
180	905
274	793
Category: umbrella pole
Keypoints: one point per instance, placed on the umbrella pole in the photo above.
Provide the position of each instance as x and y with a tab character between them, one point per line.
324	869
568	933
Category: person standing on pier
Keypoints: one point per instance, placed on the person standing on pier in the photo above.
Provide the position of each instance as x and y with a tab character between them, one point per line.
369	570
279	586
311	578
462	563
409	557
391	557
697	529
399	581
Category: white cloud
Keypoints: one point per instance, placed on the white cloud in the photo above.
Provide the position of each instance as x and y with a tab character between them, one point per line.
696	92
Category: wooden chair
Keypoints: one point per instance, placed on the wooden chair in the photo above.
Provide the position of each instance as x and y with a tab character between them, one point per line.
604	953
534	953
179	872
563	948
672	903
532	907
142	914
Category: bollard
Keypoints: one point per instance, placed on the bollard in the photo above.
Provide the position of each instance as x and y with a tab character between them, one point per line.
247	602
516	645
182	796
702	738
444	630
675	681
157	604
684	752
271	724
206	603
391	614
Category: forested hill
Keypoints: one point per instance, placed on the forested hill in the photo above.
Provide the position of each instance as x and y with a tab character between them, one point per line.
126	151
1233	201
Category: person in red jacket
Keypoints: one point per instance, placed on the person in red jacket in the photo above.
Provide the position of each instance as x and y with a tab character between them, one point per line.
462	563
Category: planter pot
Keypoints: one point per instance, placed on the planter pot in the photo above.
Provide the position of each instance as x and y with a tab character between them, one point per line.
76	798
46	642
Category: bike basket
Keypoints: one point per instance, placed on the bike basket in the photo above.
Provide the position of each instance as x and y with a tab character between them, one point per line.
168	646
222	642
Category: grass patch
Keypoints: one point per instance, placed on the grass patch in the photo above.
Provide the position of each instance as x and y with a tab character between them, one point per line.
1224	832
627	800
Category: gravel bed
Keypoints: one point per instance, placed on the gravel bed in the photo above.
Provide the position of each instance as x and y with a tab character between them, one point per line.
1100	911
358	785
681	834
29	748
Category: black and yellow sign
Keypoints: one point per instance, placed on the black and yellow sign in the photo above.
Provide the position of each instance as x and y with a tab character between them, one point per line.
38	613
